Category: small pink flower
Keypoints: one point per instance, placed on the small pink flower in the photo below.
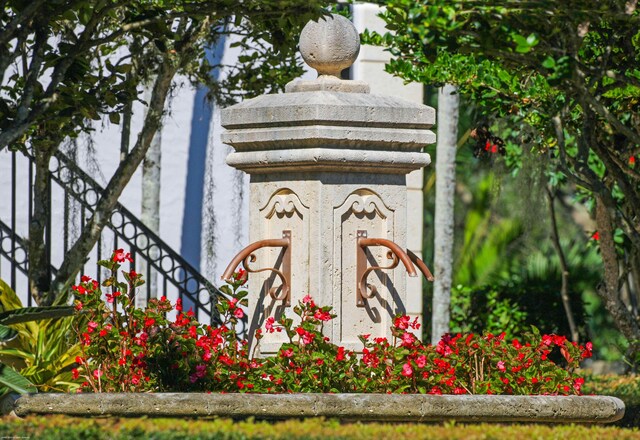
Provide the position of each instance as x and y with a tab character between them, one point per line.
307	299
91	326
407	371
268	325
408	339
501	366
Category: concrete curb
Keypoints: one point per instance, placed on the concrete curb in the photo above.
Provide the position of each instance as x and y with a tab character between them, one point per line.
362	407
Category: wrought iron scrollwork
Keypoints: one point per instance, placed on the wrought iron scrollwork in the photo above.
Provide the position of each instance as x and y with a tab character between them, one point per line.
395	253
247	256
126	228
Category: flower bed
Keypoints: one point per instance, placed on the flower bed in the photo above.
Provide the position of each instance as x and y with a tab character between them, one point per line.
125	349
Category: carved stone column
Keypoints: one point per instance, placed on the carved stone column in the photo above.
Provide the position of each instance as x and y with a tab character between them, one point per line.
328	163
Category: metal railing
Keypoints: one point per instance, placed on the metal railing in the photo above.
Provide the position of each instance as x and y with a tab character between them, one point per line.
176	278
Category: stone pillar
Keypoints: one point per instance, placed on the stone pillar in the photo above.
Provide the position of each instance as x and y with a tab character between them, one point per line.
326	160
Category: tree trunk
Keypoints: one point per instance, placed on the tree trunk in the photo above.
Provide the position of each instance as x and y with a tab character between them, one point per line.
448	105
39	264
150	215
609	292
90	234
564	267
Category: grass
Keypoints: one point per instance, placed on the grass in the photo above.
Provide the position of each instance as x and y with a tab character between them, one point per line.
55	427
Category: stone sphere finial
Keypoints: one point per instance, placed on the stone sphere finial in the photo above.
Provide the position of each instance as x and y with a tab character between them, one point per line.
330	44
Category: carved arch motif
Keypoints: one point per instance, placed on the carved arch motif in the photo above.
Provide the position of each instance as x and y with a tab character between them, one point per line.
283	202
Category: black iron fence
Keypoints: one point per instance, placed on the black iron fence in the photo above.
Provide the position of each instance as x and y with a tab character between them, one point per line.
74	196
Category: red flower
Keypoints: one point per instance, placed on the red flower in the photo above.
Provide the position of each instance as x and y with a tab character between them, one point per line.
595	236
577	384
286	353
340	354
322	316
111	297
238	313
85	279
407	340
435	390
91	326
119	256
148	322
632	160
401	322
407	371
307	337
268	325
75	373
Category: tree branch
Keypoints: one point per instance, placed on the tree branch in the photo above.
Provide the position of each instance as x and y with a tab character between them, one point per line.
564	289
606	114
26	14
122	175
125	170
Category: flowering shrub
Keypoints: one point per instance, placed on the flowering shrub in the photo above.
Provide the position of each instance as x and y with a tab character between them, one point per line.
128	349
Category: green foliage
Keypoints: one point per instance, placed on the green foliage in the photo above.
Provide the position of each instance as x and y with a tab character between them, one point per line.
41	346
562	80
128	349
99	55
56	427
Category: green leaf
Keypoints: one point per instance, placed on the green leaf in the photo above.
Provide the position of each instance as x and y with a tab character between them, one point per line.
27	314
114	118
7	333
13	380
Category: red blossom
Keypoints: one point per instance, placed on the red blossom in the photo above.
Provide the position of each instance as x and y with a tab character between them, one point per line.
322	316
287	353
402	322
407	371
119	256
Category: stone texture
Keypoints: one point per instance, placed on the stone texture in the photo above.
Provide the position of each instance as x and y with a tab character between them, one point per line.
325	159
325	164
327	108
361	407
327	83
330	44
